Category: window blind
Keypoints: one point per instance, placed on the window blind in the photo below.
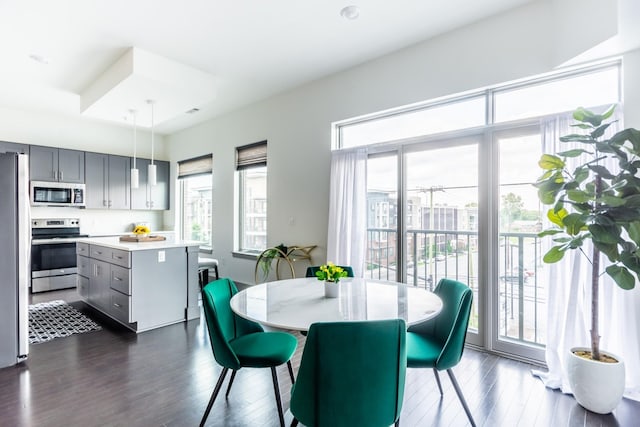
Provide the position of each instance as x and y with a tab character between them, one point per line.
252	155
197	166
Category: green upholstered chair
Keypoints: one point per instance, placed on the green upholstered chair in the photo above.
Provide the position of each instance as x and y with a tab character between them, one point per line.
351	374
239	343
438	343
311	271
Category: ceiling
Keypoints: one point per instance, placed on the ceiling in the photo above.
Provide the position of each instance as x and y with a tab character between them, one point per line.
251	48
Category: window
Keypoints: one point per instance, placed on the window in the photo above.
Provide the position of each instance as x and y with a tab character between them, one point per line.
461	204
251	167
196	187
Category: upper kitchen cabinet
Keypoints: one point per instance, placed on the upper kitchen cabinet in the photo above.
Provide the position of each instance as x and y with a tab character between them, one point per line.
56	164
154	197
12	147
108	181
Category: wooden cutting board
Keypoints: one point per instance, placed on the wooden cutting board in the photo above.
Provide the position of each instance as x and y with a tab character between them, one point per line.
142	238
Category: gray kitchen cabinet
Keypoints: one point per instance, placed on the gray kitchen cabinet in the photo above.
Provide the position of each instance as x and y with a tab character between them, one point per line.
12	147
141	288
149	197
56	164
108	181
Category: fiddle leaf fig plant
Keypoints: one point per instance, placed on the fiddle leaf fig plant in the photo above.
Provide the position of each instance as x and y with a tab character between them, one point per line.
592	202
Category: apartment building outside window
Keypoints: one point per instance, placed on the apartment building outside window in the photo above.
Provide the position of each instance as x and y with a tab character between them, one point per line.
196	191
251	167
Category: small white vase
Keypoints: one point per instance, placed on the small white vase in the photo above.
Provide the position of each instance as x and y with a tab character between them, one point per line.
596	386
331	289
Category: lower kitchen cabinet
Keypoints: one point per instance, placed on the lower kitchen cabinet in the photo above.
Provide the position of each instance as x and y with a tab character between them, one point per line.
142	289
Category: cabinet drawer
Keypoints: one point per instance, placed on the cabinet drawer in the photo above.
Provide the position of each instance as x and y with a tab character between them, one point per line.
83	287
120	279
122	258
100	252
120	306
82	249
84	267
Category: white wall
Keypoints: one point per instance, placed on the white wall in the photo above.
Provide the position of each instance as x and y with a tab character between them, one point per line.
38	128
297	124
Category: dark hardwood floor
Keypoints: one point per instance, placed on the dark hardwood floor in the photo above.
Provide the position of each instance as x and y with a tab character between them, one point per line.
164	377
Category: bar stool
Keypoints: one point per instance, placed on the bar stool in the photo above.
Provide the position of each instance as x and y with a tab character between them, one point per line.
204	265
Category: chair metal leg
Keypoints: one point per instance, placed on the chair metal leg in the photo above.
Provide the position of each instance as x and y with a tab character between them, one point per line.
216	390
294	423
398	423
290	371
276	389
461	397
215	269
435	372
233	375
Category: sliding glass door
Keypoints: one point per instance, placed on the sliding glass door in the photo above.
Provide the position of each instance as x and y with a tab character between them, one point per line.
518	283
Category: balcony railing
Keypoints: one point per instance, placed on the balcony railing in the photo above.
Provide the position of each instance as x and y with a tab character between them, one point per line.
435	254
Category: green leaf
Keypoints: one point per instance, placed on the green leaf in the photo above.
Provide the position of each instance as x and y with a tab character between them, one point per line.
631	261
573	223
583	115
609	112
557	217
574	153
599	131
602	171
549	161
578	196
548	191
621	276
549	232
585	139
633	228
632	201
605	234
611	200
555	254
610	250
580	174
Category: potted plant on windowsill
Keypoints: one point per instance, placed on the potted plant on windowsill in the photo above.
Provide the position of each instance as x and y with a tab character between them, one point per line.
331	275
594	203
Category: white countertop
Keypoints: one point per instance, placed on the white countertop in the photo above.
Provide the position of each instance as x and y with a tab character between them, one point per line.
114	242
297	303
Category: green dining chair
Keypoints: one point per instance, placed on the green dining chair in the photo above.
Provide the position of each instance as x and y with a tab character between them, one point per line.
351	374
311	271
438	342
240	343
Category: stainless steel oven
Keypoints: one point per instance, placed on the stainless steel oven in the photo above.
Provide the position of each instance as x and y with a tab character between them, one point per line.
53	253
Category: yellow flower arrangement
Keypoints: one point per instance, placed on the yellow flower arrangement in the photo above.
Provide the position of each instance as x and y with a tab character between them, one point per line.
330	272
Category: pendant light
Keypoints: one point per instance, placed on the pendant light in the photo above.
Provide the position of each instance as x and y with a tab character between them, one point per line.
135	175
151	175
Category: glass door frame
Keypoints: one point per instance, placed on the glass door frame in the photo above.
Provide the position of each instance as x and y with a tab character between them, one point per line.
493	341
458	139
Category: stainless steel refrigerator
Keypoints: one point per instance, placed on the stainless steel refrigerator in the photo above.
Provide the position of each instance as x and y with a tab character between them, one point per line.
15	250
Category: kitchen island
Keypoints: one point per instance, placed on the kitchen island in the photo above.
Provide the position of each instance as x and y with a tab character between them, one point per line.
142	285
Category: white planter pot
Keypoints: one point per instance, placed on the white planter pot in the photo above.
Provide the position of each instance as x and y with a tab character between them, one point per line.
597	386
331	289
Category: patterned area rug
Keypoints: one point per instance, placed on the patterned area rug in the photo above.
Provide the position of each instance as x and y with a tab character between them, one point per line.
56	319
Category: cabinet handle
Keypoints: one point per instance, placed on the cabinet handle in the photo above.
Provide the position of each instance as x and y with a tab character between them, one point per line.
99	252
116	305
61	176
117	279
104	203
109	203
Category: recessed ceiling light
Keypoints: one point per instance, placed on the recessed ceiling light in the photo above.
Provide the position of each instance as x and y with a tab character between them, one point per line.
350	12
40	59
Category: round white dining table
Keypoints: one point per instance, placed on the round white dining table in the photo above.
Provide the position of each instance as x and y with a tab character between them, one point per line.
295	304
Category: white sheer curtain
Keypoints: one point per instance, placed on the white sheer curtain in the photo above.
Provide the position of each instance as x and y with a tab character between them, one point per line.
347	235
569	297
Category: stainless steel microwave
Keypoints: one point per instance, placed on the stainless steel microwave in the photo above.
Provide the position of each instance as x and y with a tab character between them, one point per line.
57	194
